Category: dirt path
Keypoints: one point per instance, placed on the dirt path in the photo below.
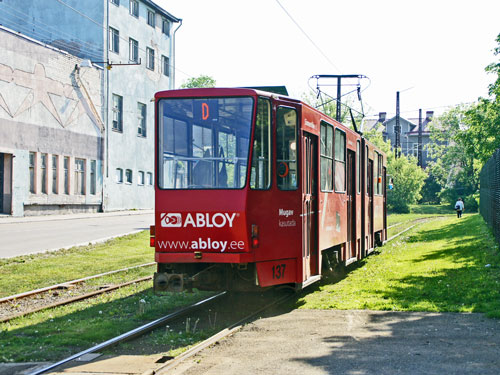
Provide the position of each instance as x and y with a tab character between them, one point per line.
355	342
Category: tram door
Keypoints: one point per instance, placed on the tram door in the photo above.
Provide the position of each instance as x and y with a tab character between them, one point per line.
351	205
309	202
369	193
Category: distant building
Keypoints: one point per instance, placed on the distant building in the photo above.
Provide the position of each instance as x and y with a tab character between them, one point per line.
129	46
408	136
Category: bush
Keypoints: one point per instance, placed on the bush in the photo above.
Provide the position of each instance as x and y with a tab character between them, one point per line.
471	202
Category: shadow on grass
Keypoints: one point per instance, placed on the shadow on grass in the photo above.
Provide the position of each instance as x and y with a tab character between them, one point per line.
469	282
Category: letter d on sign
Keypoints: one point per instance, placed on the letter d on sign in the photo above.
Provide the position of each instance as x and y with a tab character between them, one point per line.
205	111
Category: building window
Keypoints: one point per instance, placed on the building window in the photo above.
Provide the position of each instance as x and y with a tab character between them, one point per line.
326	154
66	175
128	176
140	178
151	18
93	177
339	161
133	53
141	118
114	40
32	172
117	113
54	174
119	175
44	173
79	176
116	2
165	26
134	8
165	61
150	63
150	178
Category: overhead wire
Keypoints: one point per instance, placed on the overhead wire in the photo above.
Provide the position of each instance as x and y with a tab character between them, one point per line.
158	59
23	23
307	36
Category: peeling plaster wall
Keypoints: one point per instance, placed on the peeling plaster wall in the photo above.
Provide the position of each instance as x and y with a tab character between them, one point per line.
81	28
43	109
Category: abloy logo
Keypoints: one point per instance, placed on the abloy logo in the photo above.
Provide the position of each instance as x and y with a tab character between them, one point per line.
171	220
198	220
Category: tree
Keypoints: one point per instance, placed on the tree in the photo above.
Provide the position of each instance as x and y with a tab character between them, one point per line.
407	177
456	168
200	81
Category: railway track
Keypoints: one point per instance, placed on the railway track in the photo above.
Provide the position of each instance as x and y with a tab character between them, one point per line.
25	303
223	300
413	224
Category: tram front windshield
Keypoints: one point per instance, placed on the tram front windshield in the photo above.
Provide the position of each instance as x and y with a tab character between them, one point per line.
204	143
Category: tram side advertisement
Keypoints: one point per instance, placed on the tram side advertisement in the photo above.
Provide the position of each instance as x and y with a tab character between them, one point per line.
202	231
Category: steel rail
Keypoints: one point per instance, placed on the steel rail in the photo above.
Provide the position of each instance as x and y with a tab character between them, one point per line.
218	336
75	299
416	221
134	333
65	284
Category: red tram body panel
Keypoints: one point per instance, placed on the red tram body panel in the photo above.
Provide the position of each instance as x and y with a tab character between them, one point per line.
255	189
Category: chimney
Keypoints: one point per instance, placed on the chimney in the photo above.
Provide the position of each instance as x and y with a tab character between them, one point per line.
381	116
429	115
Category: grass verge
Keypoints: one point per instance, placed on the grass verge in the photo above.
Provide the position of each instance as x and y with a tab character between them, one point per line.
443	265
30	272
57	333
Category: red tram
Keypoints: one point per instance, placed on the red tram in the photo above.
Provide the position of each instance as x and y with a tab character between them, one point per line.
255	189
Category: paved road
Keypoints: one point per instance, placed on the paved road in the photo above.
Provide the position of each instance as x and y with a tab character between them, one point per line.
21	236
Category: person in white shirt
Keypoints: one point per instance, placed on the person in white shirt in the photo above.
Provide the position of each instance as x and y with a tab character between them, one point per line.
459	206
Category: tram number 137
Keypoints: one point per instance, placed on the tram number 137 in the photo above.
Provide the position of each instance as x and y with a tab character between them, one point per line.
279	271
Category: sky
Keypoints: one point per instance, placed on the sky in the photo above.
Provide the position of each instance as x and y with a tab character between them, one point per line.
433	52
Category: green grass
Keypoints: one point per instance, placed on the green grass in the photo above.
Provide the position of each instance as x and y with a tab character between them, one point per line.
57	333
52	334
446	264
30	272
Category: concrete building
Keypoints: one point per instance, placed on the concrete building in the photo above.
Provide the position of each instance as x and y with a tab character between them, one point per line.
133	42
408	136
51	134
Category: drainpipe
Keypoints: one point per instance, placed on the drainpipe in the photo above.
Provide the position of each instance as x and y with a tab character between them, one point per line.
172	83
106	83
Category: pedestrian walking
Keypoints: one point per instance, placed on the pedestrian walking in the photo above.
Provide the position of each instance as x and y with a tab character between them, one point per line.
459	207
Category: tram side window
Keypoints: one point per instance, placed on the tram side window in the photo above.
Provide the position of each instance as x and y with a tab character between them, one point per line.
260	177
339	161
367	175
379	175
326	151
286	148
358	167
376	160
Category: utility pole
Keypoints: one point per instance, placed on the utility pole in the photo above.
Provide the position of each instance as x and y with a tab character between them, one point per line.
420	138
339	87
397	129
339	95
